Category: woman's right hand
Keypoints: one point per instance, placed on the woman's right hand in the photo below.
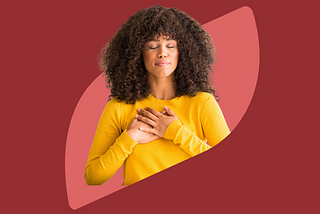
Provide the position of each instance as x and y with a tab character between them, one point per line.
140	136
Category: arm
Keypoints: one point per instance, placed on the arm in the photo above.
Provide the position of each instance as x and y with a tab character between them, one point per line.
169	126
214	127
185	139
110	147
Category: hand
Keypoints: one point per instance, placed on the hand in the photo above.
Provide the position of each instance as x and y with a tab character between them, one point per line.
158	120
138	135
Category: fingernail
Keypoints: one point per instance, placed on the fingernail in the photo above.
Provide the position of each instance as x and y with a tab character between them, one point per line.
139	109
136	116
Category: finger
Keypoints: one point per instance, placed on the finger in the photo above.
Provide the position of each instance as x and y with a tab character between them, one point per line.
133	121
169	111
145	120
154	112
164	112
147	114
148	130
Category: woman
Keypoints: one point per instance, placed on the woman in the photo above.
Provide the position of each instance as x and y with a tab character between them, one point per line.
158	66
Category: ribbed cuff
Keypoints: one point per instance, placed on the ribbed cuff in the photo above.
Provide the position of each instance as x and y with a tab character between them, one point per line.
126	142
172	129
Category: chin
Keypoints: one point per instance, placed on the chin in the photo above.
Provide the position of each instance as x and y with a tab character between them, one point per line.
164	75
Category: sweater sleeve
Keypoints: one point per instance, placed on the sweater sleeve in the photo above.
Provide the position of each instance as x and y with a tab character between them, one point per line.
214	127
110	146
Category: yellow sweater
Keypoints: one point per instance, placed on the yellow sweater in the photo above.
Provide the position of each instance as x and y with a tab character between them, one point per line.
200	120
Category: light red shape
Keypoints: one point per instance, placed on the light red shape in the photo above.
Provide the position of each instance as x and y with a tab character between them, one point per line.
235	76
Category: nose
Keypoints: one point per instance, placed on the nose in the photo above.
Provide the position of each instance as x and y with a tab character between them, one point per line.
162	53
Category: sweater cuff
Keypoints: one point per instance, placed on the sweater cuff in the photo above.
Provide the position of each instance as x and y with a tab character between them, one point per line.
126	142
172	129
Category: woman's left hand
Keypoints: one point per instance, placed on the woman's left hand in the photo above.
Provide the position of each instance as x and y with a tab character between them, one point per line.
159	121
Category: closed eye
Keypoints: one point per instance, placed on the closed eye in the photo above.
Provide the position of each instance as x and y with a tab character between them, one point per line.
152	48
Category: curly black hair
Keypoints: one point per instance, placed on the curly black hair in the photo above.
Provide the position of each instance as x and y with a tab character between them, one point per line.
122	61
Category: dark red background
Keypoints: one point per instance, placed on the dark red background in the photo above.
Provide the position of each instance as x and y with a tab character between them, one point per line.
269	164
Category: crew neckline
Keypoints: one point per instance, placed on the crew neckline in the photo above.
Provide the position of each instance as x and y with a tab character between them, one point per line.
153	99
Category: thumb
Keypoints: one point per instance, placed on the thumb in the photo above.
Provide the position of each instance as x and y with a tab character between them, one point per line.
169	111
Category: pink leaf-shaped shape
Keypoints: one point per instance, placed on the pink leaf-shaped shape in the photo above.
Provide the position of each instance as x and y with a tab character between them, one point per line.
235	76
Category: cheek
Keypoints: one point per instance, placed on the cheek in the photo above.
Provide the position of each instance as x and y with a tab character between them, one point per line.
147	58
176	58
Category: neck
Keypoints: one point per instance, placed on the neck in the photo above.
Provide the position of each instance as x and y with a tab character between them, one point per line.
162	88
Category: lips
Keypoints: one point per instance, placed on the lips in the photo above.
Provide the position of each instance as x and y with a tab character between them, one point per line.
162	63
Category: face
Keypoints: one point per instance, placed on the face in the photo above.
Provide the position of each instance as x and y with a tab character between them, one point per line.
160	56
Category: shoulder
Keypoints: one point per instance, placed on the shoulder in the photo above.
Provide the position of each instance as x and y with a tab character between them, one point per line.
121	107
203	101
114	107
201	97
113	103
